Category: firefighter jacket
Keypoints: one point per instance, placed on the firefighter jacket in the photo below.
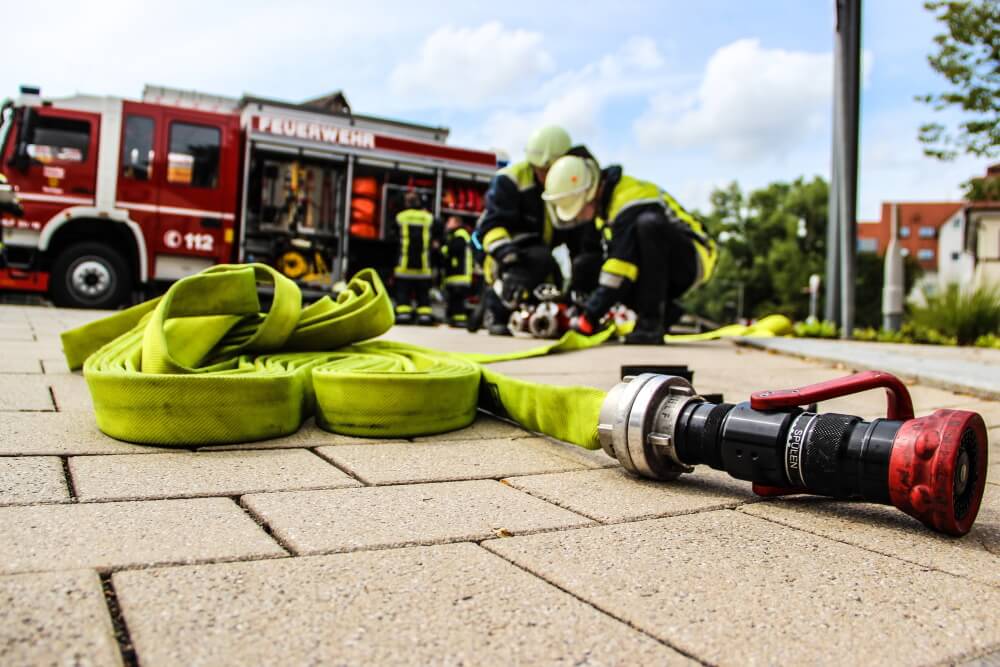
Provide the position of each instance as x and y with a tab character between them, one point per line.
458	263
415	231
515	209
623	200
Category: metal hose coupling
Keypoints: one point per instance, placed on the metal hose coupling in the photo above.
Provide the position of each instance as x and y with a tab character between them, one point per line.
638	424
931	467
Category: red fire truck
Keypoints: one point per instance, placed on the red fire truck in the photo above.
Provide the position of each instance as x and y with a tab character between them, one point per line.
118	195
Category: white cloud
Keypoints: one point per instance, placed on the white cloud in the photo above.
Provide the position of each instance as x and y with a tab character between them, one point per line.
752	102
470	67
574	98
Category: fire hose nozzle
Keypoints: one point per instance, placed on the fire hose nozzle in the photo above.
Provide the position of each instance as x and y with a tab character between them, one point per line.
932	467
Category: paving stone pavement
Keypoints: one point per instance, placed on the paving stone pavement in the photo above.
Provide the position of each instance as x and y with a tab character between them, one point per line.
485	545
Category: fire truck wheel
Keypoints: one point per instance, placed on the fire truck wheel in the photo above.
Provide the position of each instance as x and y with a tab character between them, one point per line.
89	275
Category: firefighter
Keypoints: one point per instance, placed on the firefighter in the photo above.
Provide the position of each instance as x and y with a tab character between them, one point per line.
458	265
413	273
655	250
516	232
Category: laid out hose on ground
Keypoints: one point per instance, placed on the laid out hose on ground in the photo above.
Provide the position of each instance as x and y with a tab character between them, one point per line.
202	365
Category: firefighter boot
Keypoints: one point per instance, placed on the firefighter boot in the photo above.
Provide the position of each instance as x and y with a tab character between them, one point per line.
425	317
649	329
404	314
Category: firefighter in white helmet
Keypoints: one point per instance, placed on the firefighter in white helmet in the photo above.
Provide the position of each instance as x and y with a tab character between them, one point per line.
655	250
516	231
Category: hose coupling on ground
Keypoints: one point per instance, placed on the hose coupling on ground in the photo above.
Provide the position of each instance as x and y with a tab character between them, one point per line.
638	423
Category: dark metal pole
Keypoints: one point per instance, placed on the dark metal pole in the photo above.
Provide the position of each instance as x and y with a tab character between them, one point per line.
849	40
831	308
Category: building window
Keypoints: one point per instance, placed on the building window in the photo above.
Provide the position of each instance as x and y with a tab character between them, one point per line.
904	232
193	158
954	256
55	139
927	232
867	245
925	254
137	148
905	252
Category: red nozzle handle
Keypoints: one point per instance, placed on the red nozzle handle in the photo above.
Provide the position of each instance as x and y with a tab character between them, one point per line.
899	405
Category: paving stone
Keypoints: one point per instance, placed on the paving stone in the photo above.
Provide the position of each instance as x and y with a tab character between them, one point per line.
22	391
19	365
70	392
309	435
8	334
449	604
885	529
56	619
128	534
180	474
485	427
446	461
55	366
25	480
614	495
59	433
732	589
312	522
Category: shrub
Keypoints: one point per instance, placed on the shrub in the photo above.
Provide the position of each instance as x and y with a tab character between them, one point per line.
963	315
824	329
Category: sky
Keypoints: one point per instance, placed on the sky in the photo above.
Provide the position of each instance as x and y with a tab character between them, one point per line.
690	95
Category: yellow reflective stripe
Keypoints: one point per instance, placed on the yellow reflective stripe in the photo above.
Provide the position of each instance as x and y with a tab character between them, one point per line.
403	309
425	256
462	234
521	173
630	192
494	235
414	216
413	273
424	310
620	267
404	251
464	279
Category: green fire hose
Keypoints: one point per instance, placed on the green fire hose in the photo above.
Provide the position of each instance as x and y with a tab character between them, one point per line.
202	365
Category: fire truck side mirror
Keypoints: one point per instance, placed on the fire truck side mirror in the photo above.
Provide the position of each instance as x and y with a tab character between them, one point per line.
25	131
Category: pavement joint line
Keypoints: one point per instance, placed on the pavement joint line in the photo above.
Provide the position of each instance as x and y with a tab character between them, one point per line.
264	525
894	556
70	486
52	397
645	517
112	569
344	469
593	605
122	637
971	658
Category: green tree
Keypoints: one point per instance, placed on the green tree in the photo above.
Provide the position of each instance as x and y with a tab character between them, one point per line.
968	56
770	242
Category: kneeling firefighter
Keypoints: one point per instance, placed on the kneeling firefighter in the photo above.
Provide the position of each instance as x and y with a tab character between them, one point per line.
517	234
655	250
413	273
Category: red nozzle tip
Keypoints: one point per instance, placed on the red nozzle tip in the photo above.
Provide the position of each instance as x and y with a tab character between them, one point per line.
937	469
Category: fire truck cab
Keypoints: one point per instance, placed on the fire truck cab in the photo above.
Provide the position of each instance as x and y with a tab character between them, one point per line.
117	194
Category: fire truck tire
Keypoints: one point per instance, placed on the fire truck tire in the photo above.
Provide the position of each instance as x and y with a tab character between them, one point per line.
89	275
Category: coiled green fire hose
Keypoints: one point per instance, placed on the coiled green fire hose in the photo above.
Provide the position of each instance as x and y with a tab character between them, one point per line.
202	365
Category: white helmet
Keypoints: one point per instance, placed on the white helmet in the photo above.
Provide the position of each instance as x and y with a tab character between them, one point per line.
571	182
546	145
